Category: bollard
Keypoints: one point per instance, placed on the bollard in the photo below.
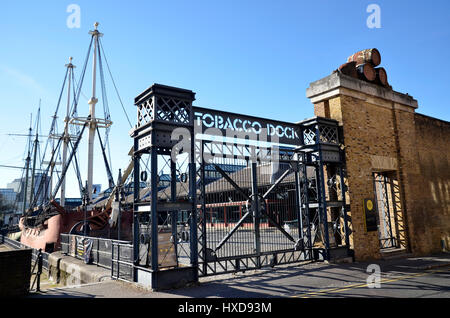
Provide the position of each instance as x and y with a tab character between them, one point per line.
39	272
37	279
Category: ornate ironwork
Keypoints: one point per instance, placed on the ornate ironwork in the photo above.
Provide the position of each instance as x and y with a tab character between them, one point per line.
251	204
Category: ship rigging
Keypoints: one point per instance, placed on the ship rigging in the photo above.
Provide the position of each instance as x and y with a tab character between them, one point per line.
63	149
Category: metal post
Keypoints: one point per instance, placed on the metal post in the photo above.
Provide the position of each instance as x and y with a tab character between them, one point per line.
39	272
298	203
173	198
136	172
306	204
154	207
119	224
256	213
321	194
112	260
193	197
344	209
118	260
323	207
204	220
98	252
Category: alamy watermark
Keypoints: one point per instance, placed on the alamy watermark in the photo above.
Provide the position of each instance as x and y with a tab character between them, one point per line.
374	279
374	19
74	19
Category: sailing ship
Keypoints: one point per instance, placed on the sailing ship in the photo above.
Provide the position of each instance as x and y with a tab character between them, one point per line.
46	212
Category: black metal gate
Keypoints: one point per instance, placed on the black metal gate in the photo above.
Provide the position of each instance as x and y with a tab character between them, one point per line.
263	206
230	192
388	223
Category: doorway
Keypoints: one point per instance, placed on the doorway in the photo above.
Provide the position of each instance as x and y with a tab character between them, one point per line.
388	204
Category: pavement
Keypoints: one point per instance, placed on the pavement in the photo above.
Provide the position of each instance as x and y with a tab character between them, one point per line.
413	277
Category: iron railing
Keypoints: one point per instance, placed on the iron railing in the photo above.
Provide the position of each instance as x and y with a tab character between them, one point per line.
122	266
111	254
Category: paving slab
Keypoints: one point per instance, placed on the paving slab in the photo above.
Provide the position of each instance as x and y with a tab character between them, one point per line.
411	277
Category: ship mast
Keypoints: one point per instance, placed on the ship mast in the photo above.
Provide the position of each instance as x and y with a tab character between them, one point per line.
25	188
36	145
93	123
66	136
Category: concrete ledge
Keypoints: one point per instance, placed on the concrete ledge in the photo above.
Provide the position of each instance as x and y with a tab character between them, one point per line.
167	279
70	271
53	266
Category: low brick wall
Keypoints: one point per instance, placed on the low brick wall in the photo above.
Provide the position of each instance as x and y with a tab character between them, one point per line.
15	272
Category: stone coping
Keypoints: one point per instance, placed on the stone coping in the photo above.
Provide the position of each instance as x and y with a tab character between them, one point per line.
340	84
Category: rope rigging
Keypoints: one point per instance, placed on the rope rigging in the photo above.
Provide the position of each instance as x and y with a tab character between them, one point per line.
114	84
76	89
75	132
108	170
77	171
64	171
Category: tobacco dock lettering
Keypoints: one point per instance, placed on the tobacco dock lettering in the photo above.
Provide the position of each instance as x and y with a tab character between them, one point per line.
238	123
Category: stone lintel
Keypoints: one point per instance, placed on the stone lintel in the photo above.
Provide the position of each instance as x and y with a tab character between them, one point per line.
383	163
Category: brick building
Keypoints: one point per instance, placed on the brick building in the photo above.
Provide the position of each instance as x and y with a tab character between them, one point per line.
396	157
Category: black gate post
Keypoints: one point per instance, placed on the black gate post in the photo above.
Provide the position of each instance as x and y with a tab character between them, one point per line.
165	123
323	206
39	272
204	217
136	230
344	210
193	198
298	202
305	204
154	217
173	198
256	212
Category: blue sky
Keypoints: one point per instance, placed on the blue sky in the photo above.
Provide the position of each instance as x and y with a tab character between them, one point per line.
252	57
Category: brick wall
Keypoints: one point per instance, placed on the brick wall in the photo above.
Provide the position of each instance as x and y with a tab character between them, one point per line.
382	133
364	137
431	185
